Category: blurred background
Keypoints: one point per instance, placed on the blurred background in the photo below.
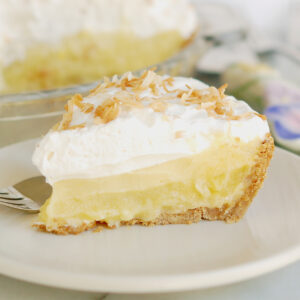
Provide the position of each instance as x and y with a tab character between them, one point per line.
50	50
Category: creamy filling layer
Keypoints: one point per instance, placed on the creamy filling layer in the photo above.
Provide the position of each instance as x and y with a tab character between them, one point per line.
212	178
86	57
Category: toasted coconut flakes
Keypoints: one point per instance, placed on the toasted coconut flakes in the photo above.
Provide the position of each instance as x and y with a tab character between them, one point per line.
67	119
107	111
67	116
165	87
98	89
244	116
77	97
235	118
154	89
109	85
210	109
170	81
207	105
83	106
92	91
77	126
263	117
211	113
134	82
212	94
158	106
229	112
98	120
124	83
144	74
178	134
88	108
150	75
222	89
56	126
211	99
50	155
219	108
70	104
164	98
183	98
147	72
127	99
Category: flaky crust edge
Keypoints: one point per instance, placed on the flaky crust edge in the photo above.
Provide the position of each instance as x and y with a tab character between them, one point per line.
227	213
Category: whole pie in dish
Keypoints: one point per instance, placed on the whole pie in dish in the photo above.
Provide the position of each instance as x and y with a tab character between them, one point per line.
152	150
45	44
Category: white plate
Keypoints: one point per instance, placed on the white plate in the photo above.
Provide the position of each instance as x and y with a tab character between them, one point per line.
155	259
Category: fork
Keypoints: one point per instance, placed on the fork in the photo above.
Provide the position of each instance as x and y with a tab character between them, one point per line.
27	195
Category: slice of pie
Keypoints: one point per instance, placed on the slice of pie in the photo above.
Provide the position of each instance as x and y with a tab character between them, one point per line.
152	150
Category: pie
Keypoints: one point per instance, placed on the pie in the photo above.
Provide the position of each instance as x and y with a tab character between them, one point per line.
152	150
46	44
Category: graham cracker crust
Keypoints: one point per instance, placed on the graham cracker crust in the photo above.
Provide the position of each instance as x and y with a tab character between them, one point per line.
229	214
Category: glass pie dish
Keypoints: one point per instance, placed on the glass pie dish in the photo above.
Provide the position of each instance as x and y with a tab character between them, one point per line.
28	115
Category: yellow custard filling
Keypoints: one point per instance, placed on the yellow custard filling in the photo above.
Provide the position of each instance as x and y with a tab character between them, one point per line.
86	57
215	177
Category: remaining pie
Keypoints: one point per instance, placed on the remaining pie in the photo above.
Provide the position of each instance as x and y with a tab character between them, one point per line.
45	44
152	150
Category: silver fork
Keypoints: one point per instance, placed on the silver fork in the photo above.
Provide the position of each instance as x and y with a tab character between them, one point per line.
27	195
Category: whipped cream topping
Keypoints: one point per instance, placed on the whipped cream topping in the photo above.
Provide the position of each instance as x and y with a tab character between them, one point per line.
141	137
25	23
